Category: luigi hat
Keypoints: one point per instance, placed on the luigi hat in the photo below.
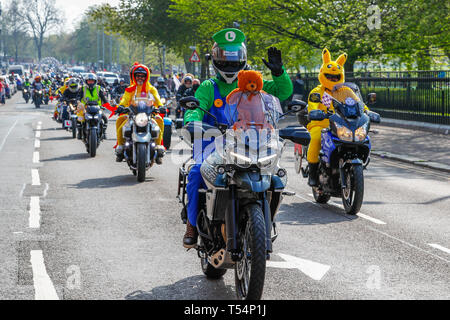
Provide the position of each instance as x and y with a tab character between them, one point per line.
229	53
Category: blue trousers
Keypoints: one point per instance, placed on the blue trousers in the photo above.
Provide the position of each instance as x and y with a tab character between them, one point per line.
195	182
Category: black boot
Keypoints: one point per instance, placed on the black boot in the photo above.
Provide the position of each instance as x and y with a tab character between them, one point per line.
190	237
79	135
313	179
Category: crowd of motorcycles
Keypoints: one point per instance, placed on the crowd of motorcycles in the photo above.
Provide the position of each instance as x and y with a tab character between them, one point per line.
236	220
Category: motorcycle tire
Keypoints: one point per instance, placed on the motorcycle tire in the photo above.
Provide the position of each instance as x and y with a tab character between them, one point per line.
93	141
352	197
254	236
141	161
167	136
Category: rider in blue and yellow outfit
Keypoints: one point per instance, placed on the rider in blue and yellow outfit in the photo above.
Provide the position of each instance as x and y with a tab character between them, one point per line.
229	56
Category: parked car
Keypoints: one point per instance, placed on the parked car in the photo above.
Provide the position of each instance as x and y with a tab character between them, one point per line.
12	86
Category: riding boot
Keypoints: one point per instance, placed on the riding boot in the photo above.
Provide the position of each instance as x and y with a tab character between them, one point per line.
190	237
313	179
119	153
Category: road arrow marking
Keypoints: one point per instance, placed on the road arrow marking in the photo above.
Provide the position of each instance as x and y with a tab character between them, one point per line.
312	269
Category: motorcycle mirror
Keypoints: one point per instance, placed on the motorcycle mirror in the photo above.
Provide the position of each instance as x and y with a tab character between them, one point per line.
190	103
296	105
316	115
371	98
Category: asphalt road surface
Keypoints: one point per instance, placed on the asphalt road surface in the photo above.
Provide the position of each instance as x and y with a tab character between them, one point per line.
75	227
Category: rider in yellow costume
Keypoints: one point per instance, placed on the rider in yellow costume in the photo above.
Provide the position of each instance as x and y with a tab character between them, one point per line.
139	84
331	74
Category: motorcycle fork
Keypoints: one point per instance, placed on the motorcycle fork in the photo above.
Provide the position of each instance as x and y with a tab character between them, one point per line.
268	221
231	225
342	173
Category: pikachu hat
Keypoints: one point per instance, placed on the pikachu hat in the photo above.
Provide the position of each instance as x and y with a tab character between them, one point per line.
332	72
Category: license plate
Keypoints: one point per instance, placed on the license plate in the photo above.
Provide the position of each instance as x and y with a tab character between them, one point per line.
68	123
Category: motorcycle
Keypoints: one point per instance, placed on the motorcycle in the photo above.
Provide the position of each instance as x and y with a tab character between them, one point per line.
345	150
70	121
164	113
92	127
140	133
38	94
46	98
26	94
244	189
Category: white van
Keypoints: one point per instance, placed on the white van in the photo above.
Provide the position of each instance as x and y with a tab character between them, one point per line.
17	69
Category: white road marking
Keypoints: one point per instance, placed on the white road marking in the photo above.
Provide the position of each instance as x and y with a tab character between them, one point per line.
36	157
22	190
409	244
37	143
35	180
45	190
7	134
35	213
314	270
434	245
340	206
43	285
374	220
38	134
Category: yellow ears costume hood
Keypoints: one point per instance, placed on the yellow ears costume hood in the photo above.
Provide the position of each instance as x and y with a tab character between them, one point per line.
332	72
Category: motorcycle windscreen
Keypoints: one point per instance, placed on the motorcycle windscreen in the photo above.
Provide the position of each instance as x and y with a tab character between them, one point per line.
351	107
143	103
252	138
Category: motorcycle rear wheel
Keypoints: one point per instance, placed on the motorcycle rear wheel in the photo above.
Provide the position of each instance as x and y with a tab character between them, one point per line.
249	273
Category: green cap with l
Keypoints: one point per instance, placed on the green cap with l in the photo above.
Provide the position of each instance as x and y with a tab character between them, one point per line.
229	37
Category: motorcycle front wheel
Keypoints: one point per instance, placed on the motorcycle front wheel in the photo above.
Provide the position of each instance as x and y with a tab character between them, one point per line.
352	196
167	136
250	271
141	161
93	142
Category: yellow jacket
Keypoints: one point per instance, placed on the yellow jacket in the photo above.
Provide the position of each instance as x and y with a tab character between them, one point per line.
135	91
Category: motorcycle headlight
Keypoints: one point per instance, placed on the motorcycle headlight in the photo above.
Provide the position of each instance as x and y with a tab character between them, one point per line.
163	100
267	161
344	133
361	133
88	116
141	119
240	159
40	91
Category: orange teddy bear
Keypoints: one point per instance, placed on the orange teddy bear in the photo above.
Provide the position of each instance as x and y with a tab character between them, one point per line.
249	81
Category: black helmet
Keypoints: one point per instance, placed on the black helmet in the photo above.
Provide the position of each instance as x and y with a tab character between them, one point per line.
160	80
229	61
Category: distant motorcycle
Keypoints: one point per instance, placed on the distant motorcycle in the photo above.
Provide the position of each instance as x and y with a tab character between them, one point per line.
38	95
26	94
92	127
70	121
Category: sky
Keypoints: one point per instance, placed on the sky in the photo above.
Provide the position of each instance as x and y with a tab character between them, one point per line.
74	9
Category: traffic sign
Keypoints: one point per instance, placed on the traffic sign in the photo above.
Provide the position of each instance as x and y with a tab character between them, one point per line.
194	57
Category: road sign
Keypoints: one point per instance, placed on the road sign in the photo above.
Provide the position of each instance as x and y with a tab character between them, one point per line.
194	57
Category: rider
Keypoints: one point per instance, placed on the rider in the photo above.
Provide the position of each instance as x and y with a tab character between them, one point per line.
59	92
140	85
331	73
37	85
163	90
229	56
73	91
92	91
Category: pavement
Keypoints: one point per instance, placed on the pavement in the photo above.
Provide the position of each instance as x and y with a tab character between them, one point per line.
75	227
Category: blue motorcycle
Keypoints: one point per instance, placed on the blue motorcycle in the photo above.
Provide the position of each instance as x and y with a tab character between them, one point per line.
345	150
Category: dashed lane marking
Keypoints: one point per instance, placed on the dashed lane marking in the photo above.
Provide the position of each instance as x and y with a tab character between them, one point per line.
35	180
43	285
35	213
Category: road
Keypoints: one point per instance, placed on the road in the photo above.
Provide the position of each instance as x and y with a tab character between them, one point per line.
75	227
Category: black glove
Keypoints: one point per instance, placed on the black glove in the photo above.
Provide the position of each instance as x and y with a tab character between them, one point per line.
275	63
